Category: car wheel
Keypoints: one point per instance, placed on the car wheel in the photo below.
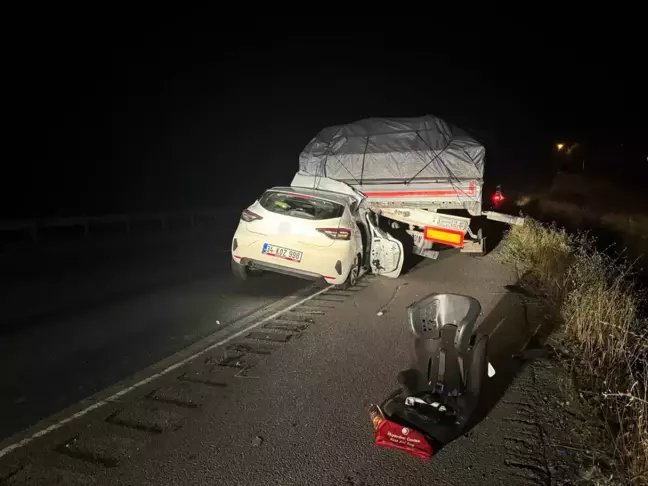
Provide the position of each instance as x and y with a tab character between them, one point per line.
354	272
239	271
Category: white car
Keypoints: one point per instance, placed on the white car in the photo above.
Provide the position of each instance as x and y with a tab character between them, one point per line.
313	234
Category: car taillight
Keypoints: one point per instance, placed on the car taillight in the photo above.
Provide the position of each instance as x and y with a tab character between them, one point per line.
336	233
249	216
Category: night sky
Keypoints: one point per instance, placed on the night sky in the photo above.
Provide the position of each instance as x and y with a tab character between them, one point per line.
201	111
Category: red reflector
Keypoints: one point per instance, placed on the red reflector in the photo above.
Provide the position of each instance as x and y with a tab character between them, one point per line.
439	192
329	278
395	436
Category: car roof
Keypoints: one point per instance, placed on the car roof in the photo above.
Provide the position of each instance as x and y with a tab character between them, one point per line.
336	197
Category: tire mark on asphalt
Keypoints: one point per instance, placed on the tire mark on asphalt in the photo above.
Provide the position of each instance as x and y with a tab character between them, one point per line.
526	443
86	456
540	471
184	377
253	348
517	440
172	401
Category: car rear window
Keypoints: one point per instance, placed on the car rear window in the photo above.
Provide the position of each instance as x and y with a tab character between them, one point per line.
300	206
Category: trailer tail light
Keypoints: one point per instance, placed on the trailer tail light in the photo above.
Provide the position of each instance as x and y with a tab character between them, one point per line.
441	235
497	198
336	233
248	216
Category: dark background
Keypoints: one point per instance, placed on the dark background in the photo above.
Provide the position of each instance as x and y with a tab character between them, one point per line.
130	112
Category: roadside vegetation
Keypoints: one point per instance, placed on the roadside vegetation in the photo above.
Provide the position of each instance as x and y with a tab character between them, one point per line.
597	302
630	230
617	214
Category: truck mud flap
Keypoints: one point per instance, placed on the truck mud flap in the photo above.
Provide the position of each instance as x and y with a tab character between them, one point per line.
475	247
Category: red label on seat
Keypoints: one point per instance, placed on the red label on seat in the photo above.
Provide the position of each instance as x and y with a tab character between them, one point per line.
395	436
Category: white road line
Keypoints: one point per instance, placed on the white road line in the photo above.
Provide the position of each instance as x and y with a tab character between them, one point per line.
121	393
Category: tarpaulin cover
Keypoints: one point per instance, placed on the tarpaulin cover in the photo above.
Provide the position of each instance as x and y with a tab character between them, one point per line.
377	150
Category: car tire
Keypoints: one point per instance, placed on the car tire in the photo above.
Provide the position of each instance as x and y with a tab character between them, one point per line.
241	272
354	272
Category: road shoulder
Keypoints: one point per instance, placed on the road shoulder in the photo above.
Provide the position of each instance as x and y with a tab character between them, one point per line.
287	402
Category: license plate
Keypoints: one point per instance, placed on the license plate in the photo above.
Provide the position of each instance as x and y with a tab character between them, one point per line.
280	252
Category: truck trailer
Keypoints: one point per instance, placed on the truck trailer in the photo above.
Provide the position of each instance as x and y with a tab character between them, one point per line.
422	174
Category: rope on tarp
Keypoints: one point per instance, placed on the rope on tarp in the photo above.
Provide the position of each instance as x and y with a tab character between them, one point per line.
363	159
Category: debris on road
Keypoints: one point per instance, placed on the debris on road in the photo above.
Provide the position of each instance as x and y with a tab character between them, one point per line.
257	441
383	309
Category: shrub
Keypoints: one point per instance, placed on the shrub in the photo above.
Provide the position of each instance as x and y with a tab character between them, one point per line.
598	304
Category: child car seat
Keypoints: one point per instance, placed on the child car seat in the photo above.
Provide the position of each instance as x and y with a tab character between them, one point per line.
439	395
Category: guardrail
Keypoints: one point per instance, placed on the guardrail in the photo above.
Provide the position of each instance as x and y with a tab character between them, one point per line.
35	227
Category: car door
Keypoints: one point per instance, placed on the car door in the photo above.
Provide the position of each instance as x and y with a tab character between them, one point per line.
386	256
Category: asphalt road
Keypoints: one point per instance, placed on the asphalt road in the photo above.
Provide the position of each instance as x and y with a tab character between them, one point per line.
300	417
76	320
286	403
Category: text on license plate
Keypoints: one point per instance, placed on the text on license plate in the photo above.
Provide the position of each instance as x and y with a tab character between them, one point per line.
280	252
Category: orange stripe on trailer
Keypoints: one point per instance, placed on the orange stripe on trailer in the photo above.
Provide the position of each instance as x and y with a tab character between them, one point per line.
439	192
445	236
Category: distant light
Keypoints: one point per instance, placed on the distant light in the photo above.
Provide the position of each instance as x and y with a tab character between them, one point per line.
560	146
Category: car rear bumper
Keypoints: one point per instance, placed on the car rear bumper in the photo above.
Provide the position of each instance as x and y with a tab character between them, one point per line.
331	263
293	272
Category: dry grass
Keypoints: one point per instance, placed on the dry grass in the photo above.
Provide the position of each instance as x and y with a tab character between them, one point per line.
541	253
597	302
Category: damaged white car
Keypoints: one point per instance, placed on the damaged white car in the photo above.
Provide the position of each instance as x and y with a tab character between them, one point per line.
313	234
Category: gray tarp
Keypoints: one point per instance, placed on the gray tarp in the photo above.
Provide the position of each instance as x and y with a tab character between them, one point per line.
377	150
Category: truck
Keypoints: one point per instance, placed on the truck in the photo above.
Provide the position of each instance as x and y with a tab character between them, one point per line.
421	176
